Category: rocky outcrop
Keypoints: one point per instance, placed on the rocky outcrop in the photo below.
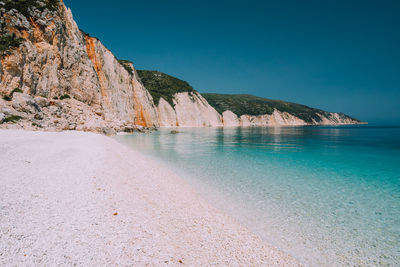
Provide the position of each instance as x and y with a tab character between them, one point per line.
190	110
27	112
166	114
277	118
334	118
179	105
195	111
230	119
123	97
57	60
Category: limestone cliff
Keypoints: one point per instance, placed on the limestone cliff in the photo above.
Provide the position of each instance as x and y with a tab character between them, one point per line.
178	104
55	66
190	110
278	118
257	111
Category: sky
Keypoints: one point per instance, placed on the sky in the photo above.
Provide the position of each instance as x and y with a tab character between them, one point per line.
341	56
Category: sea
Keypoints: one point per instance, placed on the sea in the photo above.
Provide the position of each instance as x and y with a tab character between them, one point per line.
327	195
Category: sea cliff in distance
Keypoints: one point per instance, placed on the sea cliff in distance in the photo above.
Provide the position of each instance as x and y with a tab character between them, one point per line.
54	76
178	104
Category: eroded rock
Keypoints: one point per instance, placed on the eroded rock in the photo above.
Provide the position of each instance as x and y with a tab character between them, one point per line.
23	103
57	59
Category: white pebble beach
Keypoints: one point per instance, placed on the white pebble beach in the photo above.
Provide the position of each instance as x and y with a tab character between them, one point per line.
77	198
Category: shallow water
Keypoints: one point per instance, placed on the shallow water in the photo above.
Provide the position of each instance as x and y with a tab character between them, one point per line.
326	195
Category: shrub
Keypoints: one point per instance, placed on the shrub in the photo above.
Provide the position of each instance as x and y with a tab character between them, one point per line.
16	90
7	98
8	42
126	65
162	85
12	118
253	105
64	97
23	6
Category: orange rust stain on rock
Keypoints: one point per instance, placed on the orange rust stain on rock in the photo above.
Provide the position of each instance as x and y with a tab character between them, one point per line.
177	124
14	31
52	29
142	117
91	51
9	65
25	34
37	33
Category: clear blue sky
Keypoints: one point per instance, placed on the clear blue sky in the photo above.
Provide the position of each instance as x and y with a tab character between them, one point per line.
335	55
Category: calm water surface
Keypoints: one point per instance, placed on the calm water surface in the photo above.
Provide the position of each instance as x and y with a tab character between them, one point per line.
329	196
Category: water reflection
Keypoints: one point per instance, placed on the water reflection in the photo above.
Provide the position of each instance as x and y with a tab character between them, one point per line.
273	139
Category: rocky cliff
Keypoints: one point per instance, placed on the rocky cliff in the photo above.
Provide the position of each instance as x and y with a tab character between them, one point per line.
54	76
257	111
178	104
190	110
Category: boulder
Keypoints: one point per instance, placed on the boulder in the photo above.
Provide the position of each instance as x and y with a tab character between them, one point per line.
24	103
39	116
108	131
42	102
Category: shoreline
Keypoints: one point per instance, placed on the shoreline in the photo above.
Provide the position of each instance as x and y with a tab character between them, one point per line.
83	198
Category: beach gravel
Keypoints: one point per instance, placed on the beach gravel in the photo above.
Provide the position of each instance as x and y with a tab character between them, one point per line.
75	198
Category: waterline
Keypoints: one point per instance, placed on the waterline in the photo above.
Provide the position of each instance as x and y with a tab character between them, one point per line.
326	195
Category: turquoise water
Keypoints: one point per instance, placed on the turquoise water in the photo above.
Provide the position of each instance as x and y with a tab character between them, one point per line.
329	196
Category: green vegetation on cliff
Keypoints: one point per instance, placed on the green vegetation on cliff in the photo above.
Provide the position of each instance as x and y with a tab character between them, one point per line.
254	105
127	65
9	41
166	86
23	6
162	85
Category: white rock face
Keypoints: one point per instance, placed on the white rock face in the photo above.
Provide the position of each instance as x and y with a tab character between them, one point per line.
194	111
166	114
56	58
124	97
230	119
190	110
334	118
23	103
277	118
